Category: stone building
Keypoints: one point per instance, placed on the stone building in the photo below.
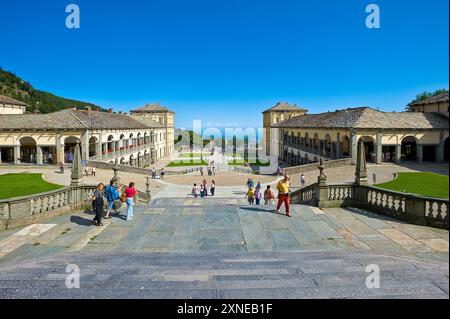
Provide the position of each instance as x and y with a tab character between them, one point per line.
11	106
419	136
104	136
155	113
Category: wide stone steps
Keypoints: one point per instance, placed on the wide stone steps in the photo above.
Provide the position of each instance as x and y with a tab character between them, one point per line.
224	275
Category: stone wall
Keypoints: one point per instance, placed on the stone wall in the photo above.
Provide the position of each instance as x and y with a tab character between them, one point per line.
25	210
313	166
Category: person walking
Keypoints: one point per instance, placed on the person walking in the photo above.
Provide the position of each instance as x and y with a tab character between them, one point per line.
269	196
153	172
195	191
258	196
205	187
93	171
201	171
258	186
283	195
61	167
163	173
112	194
302	180
86	170
97	204
202	191
213	187
130	192
250	196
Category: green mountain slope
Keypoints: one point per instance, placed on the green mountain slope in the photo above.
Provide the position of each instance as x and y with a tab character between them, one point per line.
13	86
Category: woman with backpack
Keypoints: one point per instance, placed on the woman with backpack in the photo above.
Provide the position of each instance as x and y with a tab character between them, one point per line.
97	204
112	194
269	196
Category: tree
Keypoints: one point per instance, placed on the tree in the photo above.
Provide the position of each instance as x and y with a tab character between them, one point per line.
424	96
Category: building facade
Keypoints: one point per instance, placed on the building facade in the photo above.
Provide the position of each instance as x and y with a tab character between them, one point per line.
418	136
103	136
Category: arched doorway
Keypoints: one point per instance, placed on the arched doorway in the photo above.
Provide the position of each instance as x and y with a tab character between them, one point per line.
447	149
346	146
316	142
409	148
306	139
110	144
69	148
369	147
28	150
93	146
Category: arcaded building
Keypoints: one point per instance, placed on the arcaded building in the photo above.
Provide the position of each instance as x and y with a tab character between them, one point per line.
104	136
421	135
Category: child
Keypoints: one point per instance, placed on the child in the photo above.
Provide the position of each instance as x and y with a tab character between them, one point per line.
258	196
202	191
250	196
269	196
195	191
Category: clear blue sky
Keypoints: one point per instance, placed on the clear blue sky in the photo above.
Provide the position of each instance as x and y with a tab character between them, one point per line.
225	61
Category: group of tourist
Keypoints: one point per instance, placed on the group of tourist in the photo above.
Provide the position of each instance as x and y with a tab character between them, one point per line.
115	195
255	194
161	174
211	170
203	189
89	171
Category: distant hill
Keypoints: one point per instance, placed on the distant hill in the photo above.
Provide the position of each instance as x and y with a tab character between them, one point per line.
13	86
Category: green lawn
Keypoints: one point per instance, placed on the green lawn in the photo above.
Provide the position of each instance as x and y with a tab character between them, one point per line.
426	184
191	155
241	162
181	163
15	185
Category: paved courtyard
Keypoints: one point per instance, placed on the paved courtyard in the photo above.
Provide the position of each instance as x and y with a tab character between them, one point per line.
316	246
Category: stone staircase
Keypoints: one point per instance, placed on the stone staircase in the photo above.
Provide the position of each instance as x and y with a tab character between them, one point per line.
267	275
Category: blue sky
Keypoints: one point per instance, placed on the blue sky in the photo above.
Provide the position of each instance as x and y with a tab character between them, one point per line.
225	61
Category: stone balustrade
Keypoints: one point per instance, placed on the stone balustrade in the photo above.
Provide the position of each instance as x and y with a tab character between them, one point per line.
408	207
25	210
313	167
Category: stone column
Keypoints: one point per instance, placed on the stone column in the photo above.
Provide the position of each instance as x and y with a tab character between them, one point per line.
99	151
324	148
379	149
338	146
420	153
16	154
332	150
59	149
113	146
77	173
361	170
353	147
441	147
39	157
398	153
85	145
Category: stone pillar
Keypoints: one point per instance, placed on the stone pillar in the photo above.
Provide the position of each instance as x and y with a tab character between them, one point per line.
77	173
113	147
332	150
420	153
441	147
99	151
323	191
338	146
59	149
16	154
379	150
39	157
398	153
354	147
361	170
85	145
324	148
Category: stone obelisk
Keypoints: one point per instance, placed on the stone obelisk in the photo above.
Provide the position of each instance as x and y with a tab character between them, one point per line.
77	172
361	170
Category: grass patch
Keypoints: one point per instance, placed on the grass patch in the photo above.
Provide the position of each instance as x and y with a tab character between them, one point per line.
421	183
191	155
252	162
187	163
22	184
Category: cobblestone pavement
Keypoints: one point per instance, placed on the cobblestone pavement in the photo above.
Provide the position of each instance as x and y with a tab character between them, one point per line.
186	248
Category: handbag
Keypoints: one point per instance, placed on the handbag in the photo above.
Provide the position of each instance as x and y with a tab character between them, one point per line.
123	198
117	204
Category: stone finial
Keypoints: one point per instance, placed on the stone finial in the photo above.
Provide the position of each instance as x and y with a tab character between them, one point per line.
77	173
322	179
361	170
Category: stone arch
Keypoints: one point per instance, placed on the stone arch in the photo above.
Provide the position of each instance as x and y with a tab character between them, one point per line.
369	147
93	141
307	140
28	150
70	143
346	146
409	148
